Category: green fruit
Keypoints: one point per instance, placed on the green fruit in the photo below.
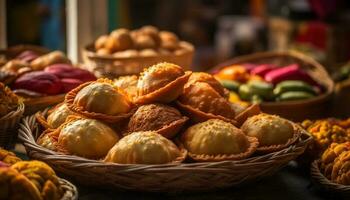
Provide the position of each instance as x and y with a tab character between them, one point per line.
294	95
230	85
293	85
245	92
257	99
262	89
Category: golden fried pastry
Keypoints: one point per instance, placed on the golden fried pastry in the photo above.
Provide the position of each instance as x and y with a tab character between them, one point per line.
273	132
151	31
128	84
48	139
207	78
58	115
119	40
201	102
148	53
8	101
168	40
14	186
88	138
330	155
49	59
143	41
101	41
341	169
103	52
100	100
42	176
162	82
146	147
8	157
16	66
126	53
163	119
216	140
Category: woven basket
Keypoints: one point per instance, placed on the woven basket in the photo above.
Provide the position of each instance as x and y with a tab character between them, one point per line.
321	180
160	178
9	126
111	67
70	191
314	108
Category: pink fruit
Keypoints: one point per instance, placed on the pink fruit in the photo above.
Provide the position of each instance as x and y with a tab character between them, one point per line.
69	84
68	71
39	81
27	56
262	70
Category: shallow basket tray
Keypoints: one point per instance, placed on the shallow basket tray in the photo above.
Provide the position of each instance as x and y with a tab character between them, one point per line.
325	183
314	108
160	178
70	191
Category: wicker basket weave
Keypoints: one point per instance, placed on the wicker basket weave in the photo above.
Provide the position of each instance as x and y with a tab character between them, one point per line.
9	126
314	108
160	178
70	191
325	183
111	67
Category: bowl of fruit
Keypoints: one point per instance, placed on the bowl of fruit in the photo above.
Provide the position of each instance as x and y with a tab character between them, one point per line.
289	84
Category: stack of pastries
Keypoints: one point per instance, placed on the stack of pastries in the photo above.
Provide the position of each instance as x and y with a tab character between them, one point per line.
164	115
32	180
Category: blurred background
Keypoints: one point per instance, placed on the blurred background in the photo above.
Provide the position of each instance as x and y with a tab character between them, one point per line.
219	29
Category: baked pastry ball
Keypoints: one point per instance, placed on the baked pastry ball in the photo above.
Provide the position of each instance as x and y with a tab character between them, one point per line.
146	147
148	53
119	40
216	140
100	100
207	78
143	41
203	102
101	42
88	138
42	176
16	66
151	31
273	132
168	40
160	118
162	82
48	139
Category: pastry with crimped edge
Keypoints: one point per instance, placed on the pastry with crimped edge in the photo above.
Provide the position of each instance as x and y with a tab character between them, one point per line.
202	102
217	140
273	132
162	83
56	116
100	100
161	118
145	147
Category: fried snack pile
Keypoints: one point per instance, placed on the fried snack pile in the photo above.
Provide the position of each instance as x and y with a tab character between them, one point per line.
8	100
335	163
327	131
27	179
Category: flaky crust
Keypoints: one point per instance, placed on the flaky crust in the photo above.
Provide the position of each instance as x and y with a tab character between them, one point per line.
70	97
202	102
161	118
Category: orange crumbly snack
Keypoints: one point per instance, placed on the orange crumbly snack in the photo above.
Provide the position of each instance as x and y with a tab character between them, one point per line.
8	100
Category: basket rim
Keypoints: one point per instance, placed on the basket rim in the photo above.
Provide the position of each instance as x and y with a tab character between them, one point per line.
294	54
19	111
71	191
93	55
324	181
26	136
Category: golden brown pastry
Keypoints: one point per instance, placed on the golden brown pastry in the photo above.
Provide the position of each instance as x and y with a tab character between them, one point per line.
142	41
273	132
42	177
48	139
162	82
148	53
163	119
151	31
168	40
128	84
207	78
8	101
14	186
126	53
202	102
58	115
119	40
88	138
100	100
101	42
341	169
16	66
216	140
330	155
49	59
8	157
145	148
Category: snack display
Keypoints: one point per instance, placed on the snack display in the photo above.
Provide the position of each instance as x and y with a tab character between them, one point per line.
126	52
